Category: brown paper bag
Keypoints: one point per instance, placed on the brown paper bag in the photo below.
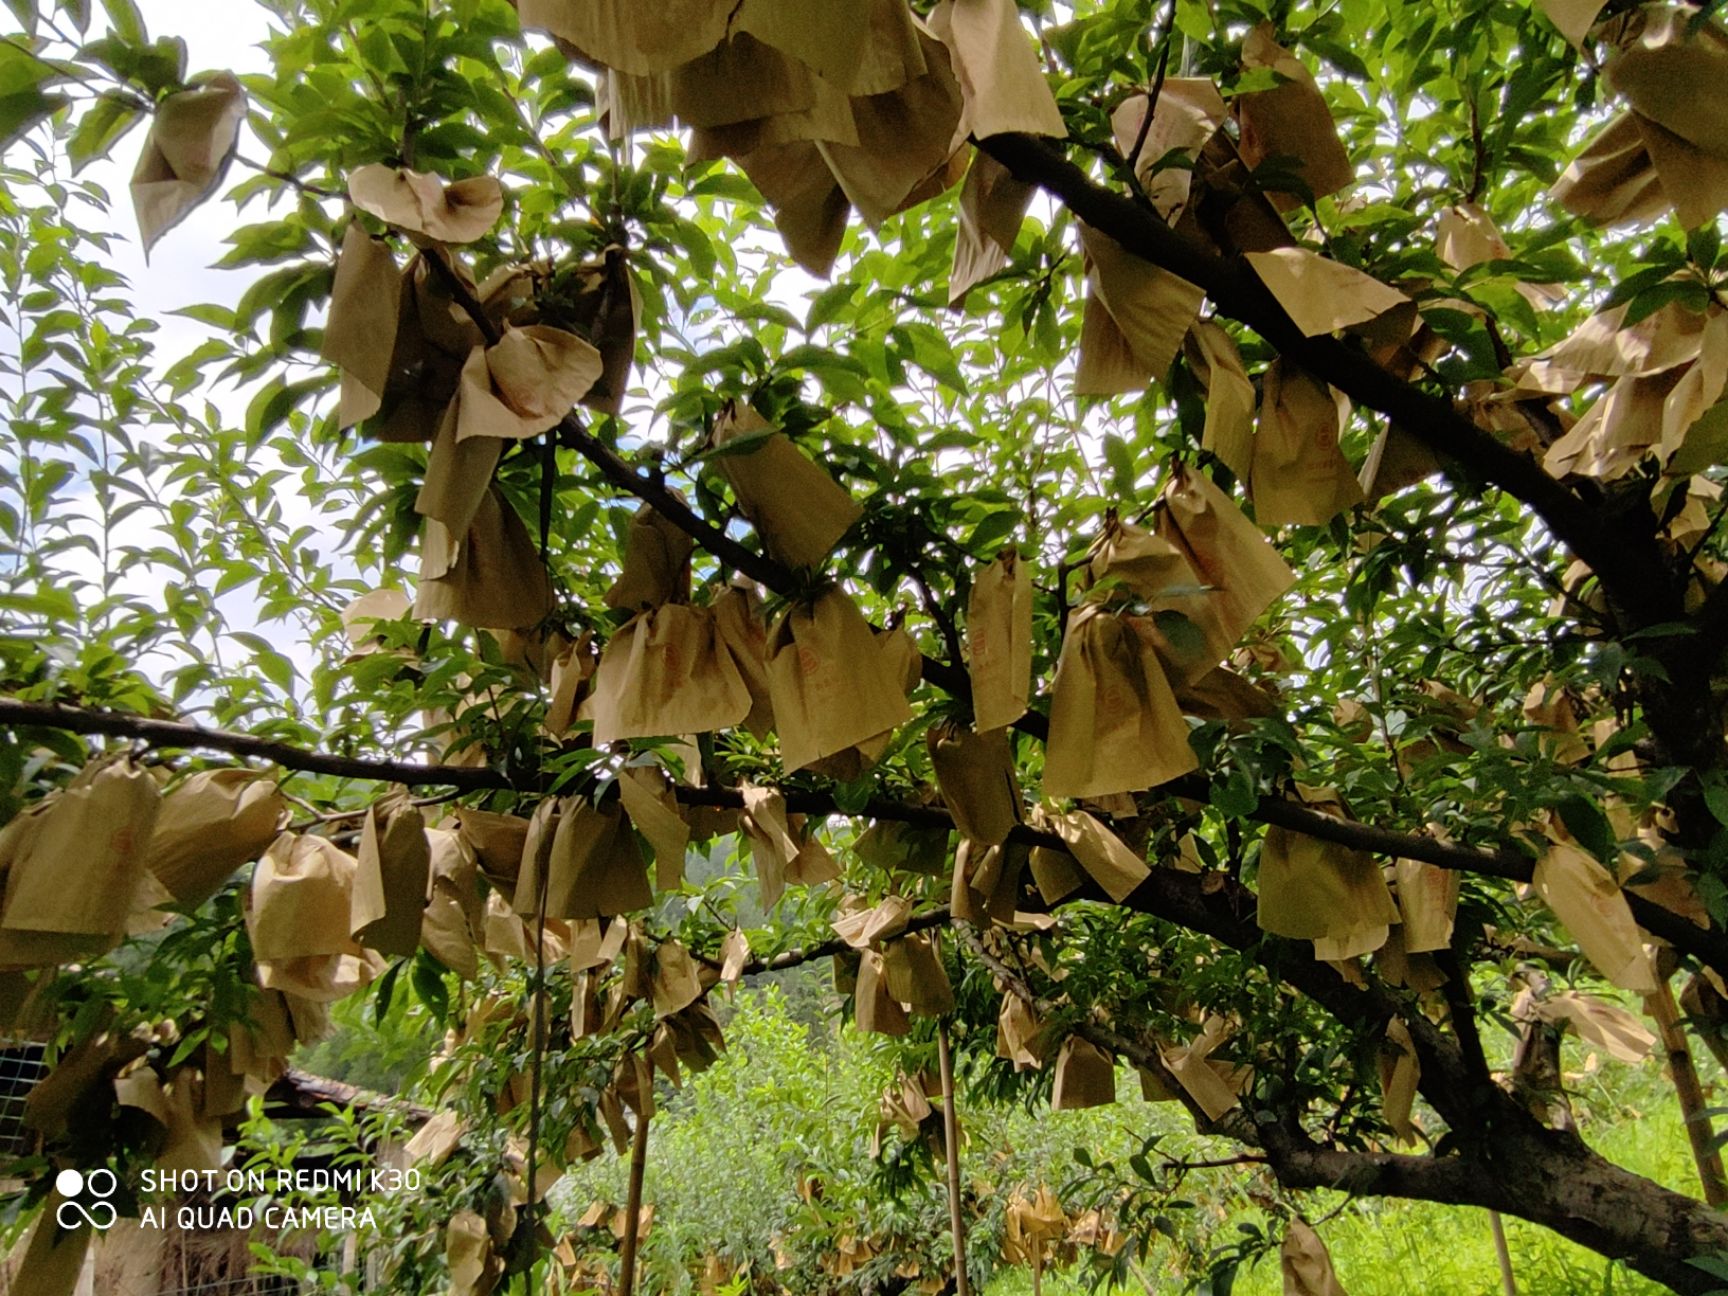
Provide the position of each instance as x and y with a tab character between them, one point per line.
1085	1076
194	1141
1400	1072
896	847
53	1261
1613	180
992	208
1114	724
773	848
656	563
653	809
999	641
474	1271
810	211
734	954
676	984
798	510
664	673
74	866
208	826
1299	475
696	1035
1230	398
1320	891
1608	1026
1203	1080
191	141
976	774
1290	121
1427	901
986	883
458	475
1306	1264
1322	295
831	683
916	976
1141	561
490	575
523	384
1574	18
309	983
1585	897
1467	236
572	673
1135	319
417	203
865	926
1105	856
738	623
360	333
1001	79
392	878
910	143
1227	206
455	912
301	899
1229	554
593	870
1675	64
1019	1034
1548	707
497	841
875	1008
1188	113
626	36
781	851
1056	873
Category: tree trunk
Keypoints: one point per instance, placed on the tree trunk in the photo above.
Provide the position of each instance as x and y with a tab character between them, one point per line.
1544	1176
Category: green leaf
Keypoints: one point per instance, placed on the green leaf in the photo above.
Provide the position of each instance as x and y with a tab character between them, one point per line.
1235	797
100	129
126	21
1586	822
1121	461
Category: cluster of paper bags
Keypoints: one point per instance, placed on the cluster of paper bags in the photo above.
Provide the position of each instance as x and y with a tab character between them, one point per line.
826	108
1037	1231
416	365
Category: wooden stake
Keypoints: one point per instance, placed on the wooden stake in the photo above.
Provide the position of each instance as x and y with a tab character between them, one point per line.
1690	1093
1508	1285
633	1208
951	1143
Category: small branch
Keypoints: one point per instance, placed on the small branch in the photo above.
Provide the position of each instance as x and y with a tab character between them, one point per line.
1164	38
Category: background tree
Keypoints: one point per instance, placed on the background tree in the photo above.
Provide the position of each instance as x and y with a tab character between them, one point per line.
1353	673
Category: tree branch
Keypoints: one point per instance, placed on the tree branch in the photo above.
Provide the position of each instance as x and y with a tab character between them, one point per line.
1707	945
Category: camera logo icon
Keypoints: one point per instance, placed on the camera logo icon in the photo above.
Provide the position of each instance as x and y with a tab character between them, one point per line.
97	1186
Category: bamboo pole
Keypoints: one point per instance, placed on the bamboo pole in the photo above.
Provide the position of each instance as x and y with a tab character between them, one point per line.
1508	1284
633	1208
1690	1093
951	1144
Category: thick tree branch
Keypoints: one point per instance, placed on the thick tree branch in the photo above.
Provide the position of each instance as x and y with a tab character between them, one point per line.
1707	945
1627	562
